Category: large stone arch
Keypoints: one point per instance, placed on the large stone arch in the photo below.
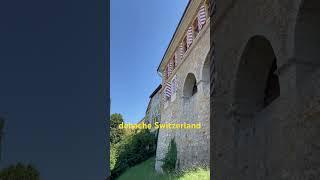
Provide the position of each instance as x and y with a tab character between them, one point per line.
256	77
256	87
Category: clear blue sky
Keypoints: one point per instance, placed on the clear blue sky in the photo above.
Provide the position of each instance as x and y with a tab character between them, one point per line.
140	33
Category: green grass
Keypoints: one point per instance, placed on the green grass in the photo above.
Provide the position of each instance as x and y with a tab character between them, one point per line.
145	171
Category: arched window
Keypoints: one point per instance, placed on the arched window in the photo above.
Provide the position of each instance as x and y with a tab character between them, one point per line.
272	90
256	87
195	88
257	83
196	29
190	85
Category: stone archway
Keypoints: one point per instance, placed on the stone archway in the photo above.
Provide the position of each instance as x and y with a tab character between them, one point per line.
256	88
257	84
190	86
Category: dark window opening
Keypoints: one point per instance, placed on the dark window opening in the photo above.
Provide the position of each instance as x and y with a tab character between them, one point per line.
194	89
190	85
185	46
167	72
195	28
272	90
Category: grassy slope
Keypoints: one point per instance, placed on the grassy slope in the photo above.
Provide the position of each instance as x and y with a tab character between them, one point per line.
145	171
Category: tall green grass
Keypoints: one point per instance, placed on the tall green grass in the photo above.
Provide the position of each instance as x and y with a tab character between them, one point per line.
145	171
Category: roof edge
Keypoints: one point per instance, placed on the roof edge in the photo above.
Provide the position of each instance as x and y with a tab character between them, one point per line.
174	34
155	91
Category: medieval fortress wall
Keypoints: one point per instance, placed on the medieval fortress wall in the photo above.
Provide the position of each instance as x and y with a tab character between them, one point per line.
265	105
193	145
153	110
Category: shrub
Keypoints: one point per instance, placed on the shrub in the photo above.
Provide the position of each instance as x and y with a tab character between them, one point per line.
132	149
169	162
19	172
113	156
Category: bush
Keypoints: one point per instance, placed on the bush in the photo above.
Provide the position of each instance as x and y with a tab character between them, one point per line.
131	150
169	162
19	172
113	156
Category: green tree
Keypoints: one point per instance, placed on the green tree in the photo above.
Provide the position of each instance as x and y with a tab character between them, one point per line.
19	172
133	148
115	132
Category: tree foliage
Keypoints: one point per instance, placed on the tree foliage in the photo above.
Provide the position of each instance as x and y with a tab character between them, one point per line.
116	133
19	172
131	150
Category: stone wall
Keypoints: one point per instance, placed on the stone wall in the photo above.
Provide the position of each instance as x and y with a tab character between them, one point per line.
192	144
154	109
281	140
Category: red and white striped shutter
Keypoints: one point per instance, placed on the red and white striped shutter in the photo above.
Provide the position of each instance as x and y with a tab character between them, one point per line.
174	85
168	89
202	16
189	36
181	50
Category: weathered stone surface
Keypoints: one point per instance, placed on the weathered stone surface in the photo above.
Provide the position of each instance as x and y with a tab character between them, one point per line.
192	144
281	140
153	109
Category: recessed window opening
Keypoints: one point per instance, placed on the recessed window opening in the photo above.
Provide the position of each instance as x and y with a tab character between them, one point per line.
190	85
272	90
185	46
194	89
195	28
257	84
